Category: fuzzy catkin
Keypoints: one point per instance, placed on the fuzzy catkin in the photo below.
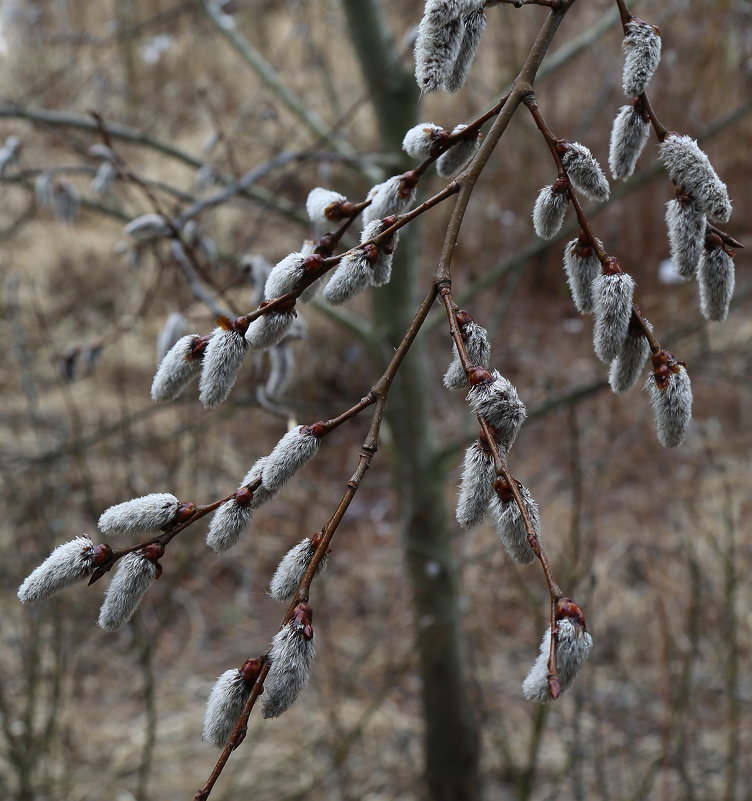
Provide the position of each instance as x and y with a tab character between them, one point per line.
135	574
584	172
68	563
287	457
140	515
686	235
672	406
629	362
222	360
510	525
642	54
269	329
582	267
223	708
261	494
689	168
419	141
478	351
476	487
147	228
291	656
292	567
612	311
391	197
458	155
436	49
285	276
317	203
381	269
177	370
548	212
498	402
474	26
715	279
227	524
629	134
352	276
573	646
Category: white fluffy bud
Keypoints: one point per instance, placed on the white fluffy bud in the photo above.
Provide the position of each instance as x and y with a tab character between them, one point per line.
269	329
285	276
147	228
291	656
671	398
686	235
612	310
68	563
582	267
292	567
140	515
478	351
510	524
135	574
180	366
352	276
642	54
287	457
320	201
420	140
629	135
223	708
498	402
222	360
476	486
715	278
459	154
584	172
391	197
627	366
549	210
474	26
436	49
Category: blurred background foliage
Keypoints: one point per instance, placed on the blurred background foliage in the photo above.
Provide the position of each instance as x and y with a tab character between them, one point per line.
654	544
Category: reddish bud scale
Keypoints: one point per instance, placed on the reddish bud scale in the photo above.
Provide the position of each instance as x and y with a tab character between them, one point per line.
153	551
336	211
326	245
198	346
477	375
224	323
240	324
316	539
315	429
408	183
101	554
562	146
250	670
185	510
312	264
283	307
463	319
567	608
243	496
612	266
303	619
713	241
371	253
504	491
554	686
560	186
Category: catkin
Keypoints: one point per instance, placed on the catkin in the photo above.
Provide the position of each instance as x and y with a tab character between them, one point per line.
671	398
223	708
582	267
642	54
135	574
68	563
612	311
287	457
584	172
715	278
180	366
498	402
510	525
291	656
549	210
474	26
292	567
476	486
140	515
629	134
221	363
478	352
459	154
686	235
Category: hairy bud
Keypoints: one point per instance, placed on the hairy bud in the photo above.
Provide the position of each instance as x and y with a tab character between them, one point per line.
421	139
627	366
291	656
612	310
290	571
436	49
140	515
269	329
381	268
352	276
68	563
147	228
686	235
474	26
287	457
229	521
180	366
582	267
223	708
135	574
497	401
319	202
476	486
671	398
391	197
642	54
689	168
715	278
629	134
285	276
573	646
222	360
510	524
478	352
550	208
584	172
459	154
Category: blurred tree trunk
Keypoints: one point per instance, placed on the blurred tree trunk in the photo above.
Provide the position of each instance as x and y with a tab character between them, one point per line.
450	729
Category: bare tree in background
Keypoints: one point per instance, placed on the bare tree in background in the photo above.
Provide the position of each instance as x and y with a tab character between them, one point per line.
191	240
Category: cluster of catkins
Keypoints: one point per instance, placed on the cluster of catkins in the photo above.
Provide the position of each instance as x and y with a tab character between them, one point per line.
482	493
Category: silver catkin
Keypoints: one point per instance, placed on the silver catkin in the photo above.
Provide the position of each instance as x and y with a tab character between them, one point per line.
352	276
510	525
629	134
135	574
582	267
715	279
474	27
223	708
628	365
478	351
499	403
147	228
548	212
476	486
287	457
391	197
458	155
140	515
436	49
686	235
291	656
222	360
261	494
177	370
381	269
227	524
612	311
269	329
68	563
584	172
319	201
689	168
642	54
292	567
419	141
573	646
671	399
285	276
